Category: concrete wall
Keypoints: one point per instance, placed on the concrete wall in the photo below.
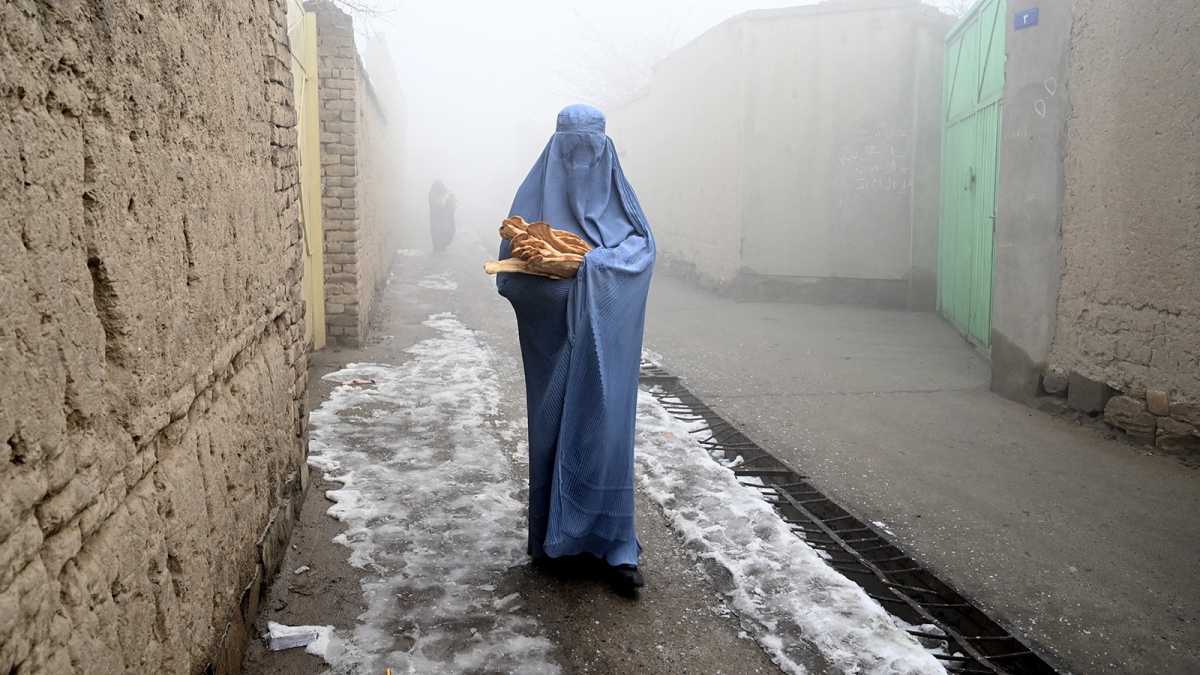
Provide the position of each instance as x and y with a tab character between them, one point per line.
928	56
823	119
151	334
1029	199
361	163
384	146
679	142
379	203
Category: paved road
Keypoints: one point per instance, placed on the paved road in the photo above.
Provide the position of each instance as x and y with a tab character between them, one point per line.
1088	545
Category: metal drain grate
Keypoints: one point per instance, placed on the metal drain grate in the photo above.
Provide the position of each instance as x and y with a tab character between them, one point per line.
951	627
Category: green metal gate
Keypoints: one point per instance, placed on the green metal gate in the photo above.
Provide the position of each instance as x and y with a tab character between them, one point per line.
971	104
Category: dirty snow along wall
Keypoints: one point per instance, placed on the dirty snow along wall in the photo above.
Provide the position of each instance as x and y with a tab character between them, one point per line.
151	356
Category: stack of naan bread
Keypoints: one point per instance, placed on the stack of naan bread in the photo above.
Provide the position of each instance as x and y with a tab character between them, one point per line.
539	249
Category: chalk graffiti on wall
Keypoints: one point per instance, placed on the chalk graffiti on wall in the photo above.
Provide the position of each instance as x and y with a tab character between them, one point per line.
1020	132
1039	106
876	160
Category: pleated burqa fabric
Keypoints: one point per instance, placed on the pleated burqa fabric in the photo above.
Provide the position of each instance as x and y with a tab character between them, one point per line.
581	342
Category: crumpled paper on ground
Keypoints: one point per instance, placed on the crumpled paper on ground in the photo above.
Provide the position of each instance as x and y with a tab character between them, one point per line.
314	639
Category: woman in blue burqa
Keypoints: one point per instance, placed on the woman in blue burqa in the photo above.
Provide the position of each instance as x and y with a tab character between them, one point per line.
581	343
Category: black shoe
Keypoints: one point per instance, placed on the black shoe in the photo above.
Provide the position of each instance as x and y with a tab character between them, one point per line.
551	566
564	567
626	579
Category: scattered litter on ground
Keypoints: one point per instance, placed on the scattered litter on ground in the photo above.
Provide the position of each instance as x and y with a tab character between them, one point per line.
314	639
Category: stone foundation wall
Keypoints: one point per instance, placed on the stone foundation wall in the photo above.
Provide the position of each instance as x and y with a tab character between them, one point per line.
1128	315
1143	416
152	365
360	160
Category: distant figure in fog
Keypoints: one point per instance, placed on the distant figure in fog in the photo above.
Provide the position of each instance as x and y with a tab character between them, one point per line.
581	344
442	204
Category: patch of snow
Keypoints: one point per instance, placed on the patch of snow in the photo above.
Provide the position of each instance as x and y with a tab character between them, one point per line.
439	282
409	253
789	600
652	357
432	512
934	645
430	501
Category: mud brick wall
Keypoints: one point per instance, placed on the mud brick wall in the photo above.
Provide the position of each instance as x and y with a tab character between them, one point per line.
152	364
360	180
1128	320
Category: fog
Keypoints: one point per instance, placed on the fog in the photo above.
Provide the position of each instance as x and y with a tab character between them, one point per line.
483	79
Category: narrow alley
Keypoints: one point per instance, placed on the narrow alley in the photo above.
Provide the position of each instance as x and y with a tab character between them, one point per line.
418	457
840	337
424	461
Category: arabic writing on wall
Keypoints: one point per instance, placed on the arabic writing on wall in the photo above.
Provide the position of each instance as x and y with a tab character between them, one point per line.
876	160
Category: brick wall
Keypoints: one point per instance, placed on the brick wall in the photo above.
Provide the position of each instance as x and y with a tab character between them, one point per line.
360	162
152	366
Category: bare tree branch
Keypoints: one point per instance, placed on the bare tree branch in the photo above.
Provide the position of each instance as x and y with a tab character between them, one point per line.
367	12
607	67
953	7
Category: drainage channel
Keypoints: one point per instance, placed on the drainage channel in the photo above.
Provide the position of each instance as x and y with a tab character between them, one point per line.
951	627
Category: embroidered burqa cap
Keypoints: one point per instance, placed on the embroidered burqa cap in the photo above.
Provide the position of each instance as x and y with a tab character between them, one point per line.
581	343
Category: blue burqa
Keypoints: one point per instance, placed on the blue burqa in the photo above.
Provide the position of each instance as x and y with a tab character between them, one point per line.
581	342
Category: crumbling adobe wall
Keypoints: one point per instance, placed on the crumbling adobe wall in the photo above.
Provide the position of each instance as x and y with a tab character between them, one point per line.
152	362
1129	305
360	161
